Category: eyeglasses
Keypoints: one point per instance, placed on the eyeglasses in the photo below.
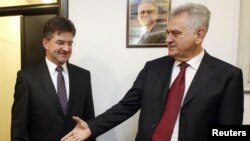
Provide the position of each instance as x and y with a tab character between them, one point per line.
146	11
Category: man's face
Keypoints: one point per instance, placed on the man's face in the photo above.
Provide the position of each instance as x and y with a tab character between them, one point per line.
183	44
59	47
147	14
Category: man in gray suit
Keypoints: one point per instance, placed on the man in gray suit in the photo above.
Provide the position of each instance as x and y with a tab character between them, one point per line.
155	33
48	94
212	90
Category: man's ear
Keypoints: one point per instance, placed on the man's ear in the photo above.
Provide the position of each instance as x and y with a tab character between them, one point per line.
201	32
45	42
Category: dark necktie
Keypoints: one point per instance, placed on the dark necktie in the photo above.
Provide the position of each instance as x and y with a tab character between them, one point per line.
164	129
61	89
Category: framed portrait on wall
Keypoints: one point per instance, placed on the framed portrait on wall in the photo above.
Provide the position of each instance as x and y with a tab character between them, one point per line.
147	22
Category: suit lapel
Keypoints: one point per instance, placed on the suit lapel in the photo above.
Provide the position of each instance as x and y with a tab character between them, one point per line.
204	73
165	76
72	84
47	84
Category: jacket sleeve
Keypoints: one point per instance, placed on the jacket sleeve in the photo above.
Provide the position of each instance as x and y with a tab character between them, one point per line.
121	111
19	120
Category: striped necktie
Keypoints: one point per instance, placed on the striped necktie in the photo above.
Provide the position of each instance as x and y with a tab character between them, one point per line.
61	89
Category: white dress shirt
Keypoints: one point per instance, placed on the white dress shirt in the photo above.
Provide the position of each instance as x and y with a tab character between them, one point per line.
53	74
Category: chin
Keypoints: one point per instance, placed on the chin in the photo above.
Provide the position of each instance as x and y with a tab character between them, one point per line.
63	61
172	54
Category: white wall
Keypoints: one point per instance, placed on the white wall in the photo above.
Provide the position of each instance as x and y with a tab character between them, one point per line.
100	46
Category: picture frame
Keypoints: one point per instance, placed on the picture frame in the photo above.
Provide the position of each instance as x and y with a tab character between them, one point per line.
147	22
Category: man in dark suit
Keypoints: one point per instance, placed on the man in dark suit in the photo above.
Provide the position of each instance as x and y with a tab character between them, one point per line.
147	15
212	92
44	102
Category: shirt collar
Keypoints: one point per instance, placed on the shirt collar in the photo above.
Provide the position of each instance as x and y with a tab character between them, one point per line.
194	62
52	66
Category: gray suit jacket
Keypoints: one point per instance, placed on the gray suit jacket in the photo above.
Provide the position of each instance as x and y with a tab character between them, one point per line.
157	35
215	96
36	112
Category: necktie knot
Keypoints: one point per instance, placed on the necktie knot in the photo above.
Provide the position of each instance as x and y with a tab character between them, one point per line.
183	66
59	69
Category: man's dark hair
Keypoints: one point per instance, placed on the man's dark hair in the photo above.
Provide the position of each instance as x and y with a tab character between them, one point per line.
58	24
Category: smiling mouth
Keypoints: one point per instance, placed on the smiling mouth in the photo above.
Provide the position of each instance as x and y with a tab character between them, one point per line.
63	54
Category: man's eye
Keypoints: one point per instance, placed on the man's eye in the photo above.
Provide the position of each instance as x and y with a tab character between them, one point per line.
70	44
60	43
176	33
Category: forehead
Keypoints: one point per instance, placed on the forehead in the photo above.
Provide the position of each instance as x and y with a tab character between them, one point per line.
146	6
178	21
62	35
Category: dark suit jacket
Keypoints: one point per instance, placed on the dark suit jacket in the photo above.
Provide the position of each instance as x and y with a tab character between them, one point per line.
215	96
157	35
36	112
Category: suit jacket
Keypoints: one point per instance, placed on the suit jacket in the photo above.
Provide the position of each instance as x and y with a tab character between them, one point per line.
214	97
157	35
36	112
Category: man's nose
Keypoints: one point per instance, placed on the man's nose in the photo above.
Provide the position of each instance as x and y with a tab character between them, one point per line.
67	47
169	38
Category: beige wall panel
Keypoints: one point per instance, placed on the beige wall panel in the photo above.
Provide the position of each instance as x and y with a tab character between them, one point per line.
10	57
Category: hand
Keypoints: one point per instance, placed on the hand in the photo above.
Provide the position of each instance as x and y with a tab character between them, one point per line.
80	133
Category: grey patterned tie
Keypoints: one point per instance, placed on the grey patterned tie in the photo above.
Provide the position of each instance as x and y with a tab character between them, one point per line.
61	89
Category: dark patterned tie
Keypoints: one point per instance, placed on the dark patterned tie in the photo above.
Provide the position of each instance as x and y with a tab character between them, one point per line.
61	89
164	129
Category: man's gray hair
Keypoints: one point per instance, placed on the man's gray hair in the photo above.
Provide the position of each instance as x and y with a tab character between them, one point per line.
198	15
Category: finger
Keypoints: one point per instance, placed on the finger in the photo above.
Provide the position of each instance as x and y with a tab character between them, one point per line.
77	119
67	136
70	139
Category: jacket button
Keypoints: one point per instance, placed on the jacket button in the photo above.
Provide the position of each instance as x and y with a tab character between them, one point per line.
153	126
